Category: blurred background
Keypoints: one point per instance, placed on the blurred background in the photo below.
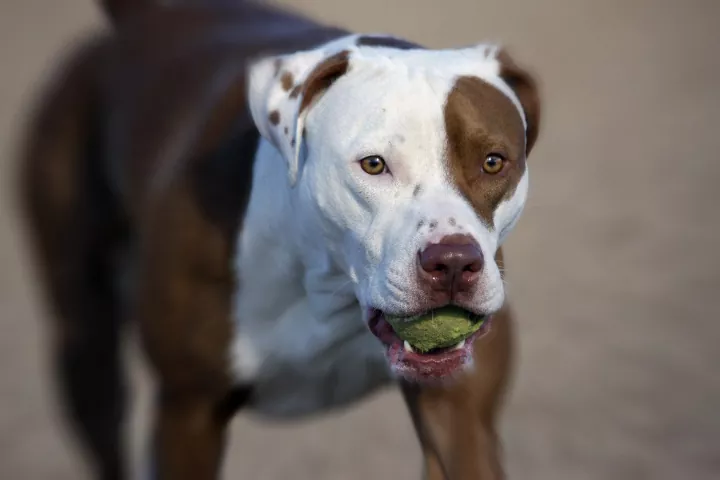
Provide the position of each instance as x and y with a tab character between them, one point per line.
614	268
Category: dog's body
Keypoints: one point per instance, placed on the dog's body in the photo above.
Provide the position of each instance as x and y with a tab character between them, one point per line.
204	170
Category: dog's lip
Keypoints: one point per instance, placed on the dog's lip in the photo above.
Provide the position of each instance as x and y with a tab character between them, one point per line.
374	313
417	366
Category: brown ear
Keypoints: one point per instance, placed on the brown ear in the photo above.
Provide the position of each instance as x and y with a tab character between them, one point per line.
323	76
281	91
525	87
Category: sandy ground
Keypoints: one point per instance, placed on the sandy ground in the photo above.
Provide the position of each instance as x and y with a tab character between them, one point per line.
614	267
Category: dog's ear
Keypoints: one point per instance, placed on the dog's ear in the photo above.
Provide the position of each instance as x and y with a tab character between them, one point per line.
281	91
526	90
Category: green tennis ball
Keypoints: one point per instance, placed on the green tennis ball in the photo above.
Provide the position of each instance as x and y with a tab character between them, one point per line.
440	328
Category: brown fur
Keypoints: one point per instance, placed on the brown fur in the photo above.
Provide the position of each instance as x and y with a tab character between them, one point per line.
389	42
481	120
322	77
526	89
141	148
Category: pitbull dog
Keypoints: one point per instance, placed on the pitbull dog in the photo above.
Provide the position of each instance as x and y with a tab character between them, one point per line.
256	192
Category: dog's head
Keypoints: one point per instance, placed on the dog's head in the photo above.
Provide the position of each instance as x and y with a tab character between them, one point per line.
410	166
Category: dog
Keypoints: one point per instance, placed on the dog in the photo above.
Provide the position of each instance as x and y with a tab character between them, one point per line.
255	192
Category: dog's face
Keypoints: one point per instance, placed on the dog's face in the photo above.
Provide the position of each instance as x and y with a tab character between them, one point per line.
411	163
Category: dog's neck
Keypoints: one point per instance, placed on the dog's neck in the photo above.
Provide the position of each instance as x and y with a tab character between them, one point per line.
282	256
296	315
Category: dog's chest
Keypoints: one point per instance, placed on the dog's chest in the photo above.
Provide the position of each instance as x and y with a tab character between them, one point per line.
301	353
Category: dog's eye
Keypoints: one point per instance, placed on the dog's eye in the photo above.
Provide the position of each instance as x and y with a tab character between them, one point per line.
493	163
373	165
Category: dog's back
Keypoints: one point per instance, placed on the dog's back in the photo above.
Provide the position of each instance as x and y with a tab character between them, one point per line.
132	117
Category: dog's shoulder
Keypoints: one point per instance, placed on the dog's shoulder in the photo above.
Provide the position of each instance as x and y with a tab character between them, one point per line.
174	88
156	107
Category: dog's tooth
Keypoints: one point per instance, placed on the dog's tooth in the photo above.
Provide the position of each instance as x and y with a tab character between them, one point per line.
459	345
408	347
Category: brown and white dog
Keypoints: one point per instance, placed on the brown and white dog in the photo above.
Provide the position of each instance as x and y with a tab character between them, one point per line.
255	192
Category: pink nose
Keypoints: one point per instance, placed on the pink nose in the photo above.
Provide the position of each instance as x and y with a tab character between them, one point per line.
451	265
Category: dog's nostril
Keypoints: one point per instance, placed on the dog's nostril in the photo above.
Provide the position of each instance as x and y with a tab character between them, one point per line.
475	260
455	256
473	267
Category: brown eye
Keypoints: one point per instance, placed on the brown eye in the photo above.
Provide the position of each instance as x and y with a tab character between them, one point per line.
373	165
493	164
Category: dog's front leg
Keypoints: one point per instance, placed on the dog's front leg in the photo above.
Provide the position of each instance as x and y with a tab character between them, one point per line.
190	434
188	439
456	443
187	347
184	295
455	421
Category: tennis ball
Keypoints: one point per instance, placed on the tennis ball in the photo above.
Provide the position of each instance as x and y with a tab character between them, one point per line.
440	328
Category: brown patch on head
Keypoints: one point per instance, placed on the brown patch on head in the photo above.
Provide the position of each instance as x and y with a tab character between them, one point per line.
286	81
296	91
274	117
389	42
481	120
323	76
525	87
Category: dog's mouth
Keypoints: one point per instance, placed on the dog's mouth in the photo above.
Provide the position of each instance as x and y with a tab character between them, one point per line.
421	366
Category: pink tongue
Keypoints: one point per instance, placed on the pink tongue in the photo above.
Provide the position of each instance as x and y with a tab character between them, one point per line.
382	329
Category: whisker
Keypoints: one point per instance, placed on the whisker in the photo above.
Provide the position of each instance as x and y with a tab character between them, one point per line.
340	288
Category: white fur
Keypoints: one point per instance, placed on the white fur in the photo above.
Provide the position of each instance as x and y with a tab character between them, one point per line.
266	95
322	241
